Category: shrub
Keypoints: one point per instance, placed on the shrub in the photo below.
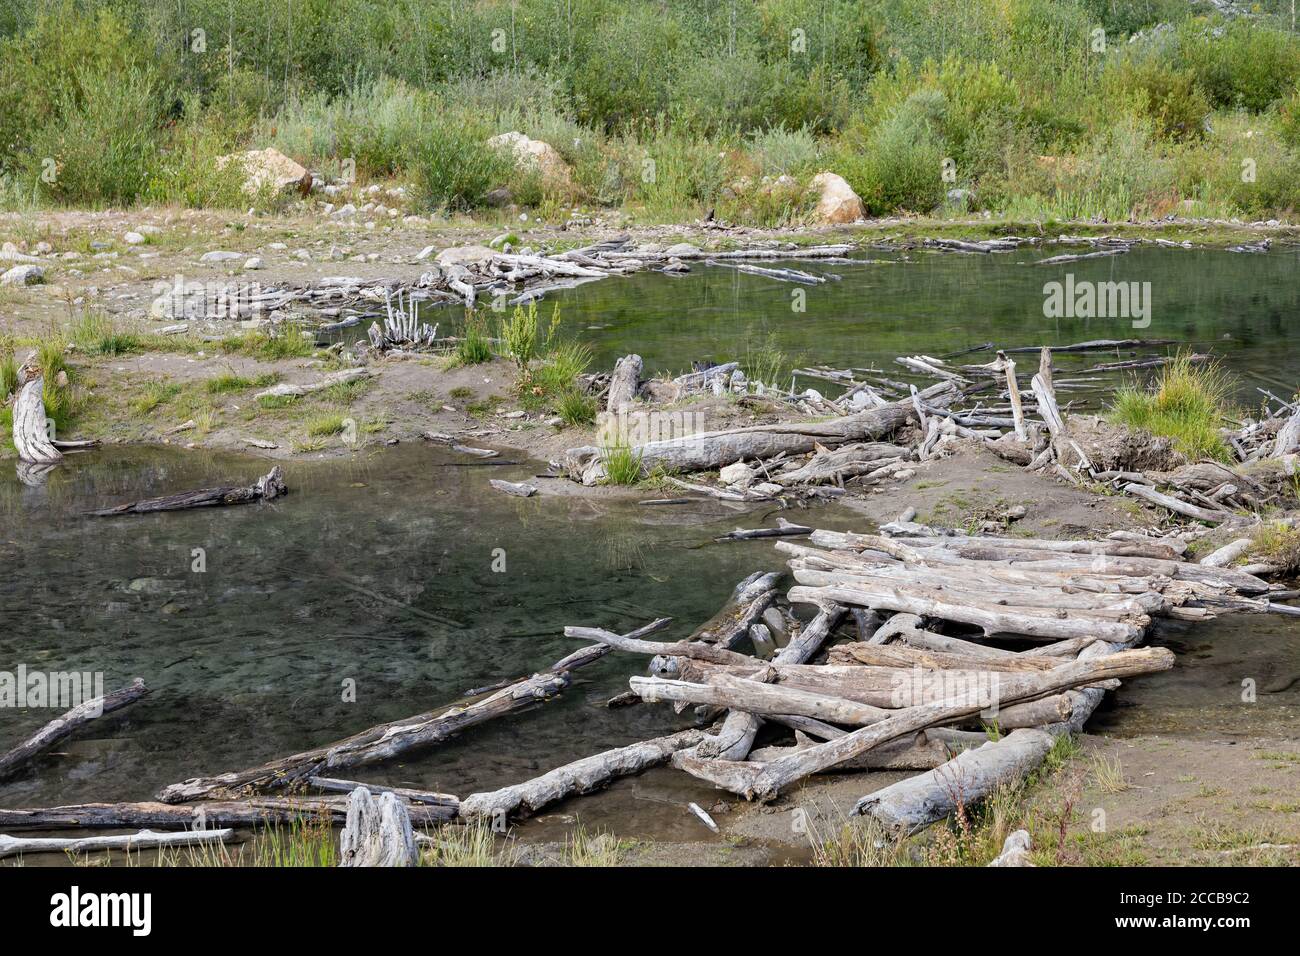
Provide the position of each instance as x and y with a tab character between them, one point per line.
900	164
519	333
104	144
1187	403
1171	98
562	366
1240	65
453	167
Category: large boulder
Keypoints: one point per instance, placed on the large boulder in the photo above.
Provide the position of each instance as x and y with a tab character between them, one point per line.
534	154
269	166
23	275
468	256
836	200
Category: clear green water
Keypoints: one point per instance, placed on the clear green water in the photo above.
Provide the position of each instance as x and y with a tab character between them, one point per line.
379	569
1238	306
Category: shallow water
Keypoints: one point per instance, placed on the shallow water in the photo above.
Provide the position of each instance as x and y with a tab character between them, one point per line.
1238	306
378	569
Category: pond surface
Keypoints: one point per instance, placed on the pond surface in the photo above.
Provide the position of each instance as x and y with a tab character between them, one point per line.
379	569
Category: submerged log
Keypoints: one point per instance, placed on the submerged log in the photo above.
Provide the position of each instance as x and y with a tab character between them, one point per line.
766	781
31	429
68	724
144	840
916	802
386	741
268	487
581	776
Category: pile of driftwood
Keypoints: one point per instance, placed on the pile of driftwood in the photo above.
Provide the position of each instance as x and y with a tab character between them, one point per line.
878	426
920	642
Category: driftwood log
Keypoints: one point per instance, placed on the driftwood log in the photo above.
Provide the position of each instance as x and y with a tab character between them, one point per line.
962	782
201	815
269	487
377	831
582	776
31	431
765	781
708	450
625	383
144	840
68	724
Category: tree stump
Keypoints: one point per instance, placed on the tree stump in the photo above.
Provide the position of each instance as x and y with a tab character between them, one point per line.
377	832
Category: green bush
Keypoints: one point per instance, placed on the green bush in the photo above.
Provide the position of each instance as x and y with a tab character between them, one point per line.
1187	403
1171	98
103	145
900	164
1240	65
452	165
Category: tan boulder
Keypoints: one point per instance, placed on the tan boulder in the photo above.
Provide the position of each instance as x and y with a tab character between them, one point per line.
269	166
467	256
836	200
534	154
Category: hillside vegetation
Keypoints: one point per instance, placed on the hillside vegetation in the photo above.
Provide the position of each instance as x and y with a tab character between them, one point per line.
1024	108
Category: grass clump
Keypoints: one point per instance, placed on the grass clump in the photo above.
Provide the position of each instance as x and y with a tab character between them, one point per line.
474	347
623	464
231	382
322	426
519	333
154	394
577	408
95	334
470	845
1279	545
1187	404
284	343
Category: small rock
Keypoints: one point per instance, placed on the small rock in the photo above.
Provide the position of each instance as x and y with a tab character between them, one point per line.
133	239
219	256
516	488
23	275
253	263
736	473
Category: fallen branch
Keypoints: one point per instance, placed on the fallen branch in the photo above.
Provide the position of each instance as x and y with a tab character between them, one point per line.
68	724
269	487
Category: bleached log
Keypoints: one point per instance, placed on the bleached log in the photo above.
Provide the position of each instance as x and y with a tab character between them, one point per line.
894	655
994	619
1177	505
144	840
334	785
916	802
333	378
922	751
31	429
267	488
65	726
690	649
1008	366
765	782
201	815
1015	850
737	733
625	383
579	777
711	450
1288	437
1227	554
1118	549
844	462
377	832
755	697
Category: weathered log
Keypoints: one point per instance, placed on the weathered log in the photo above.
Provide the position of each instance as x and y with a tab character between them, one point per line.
268	487
333	785
31	429
144	840
784	529
755	697
836	464
1227	554
377	832
916	802
924	750
894	656
690	649
68	724
1015	850
1288	437
625	384
736	736
333	378
516	488
1118	549
1008	366
710	450
996	619
200	815
1177	505
385	741
766	781
581	776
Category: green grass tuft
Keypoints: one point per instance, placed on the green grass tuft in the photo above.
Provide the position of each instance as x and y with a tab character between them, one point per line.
622	464
1187	403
